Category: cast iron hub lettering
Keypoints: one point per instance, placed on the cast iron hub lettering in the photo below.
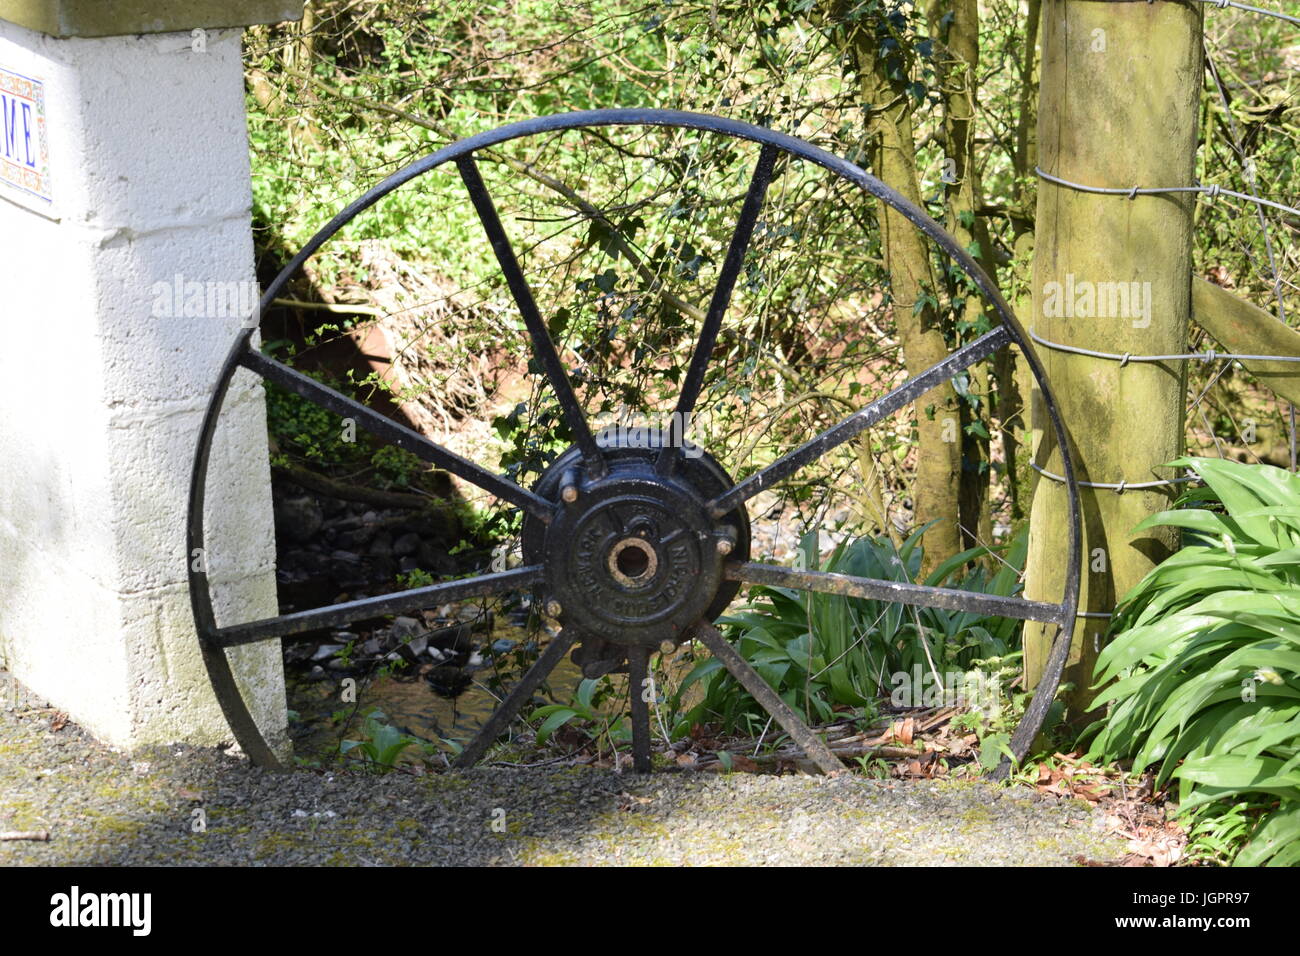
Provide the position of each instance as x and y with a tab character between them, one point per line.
634	558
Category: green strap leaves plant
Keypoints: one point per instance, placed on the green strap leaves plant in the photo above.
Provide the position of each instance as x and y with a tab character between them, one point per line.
1203	672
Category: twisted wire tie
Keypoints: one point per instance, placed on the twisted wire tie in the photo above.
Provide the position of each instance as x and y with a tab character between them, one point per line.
1211	192
1124	359
1119	487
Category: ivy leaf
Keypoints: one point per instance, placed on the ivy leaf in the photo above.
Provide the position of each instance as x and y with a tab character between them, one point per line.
558	323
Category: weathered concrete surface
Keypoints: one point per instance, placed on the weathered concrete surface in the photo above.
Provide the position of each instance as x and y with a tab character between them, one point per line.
104	808
106	377
97	18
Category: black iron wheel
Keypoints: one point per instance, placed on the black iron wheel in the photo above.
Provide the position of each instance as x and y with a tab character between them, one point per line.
631	548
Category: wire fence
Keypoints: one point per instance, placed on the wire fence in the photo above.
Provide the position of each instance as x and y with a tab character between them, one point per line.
1211	192
1221	4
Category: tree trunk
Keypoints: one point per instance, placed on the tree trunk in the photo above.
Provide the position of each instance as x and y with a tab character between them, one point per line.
958	70
1014	379
907	255
1118	107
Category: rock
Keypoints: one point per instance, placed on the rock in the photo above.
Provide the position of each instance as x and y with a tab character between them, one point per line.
407	544
447	681
404	627
435	559
346	557
298	519
372	647
503	645
297	653
326	651
317	673
382	545
333	506
355	539
451	639
413	648
307	560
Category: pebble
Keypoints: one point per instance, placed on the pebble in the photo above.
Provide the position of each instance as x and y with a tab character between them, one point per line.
102	812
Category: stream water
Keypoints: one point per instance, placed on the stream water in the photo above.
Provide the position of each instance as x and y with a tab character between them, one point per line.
411	703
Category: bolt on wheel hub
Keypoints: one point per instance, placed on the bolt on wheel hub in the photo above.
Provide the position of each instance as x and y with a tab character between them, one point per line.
633	558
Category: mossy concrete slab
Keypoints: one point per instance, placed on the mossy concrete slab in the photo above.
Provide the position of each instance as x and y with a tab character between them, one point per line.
97	18
104	808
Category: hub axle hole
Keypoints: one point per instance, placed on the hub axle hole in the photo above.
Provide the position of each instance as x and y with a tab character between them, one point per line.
633	562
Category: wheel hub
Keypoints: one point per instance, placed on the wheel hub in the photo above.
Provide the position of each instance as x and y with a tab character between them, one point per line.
633	558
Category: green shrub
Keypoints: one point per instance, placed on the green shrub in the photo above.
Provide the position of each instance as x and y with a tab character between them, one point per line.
304	431
586	712
1203	674
382	743
822	650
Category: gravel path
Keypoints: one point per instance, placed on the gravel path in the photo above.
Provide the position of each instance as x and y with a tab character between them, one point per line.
102	807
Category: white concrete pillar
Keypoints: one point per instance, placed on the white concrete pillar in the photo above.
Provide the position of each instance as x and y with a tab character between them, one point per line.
124	177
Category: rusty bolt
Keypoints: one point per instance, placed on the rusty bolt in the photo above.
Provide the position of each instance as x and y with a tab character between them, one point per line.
569	485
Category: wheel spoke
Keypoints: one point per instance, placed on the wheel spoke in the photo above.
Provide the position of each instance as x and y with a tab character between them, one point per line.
861	420
395	433
694	380
345	613
813	746
899	592
638	659
543	347
519	695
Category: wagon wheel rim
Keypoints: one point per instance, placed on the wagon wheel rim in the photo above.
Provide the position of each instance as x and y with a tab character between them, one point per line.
715	504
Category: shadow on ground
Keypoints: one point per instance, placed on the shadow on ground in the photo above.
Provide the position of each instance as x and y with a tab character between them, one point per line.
106	808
